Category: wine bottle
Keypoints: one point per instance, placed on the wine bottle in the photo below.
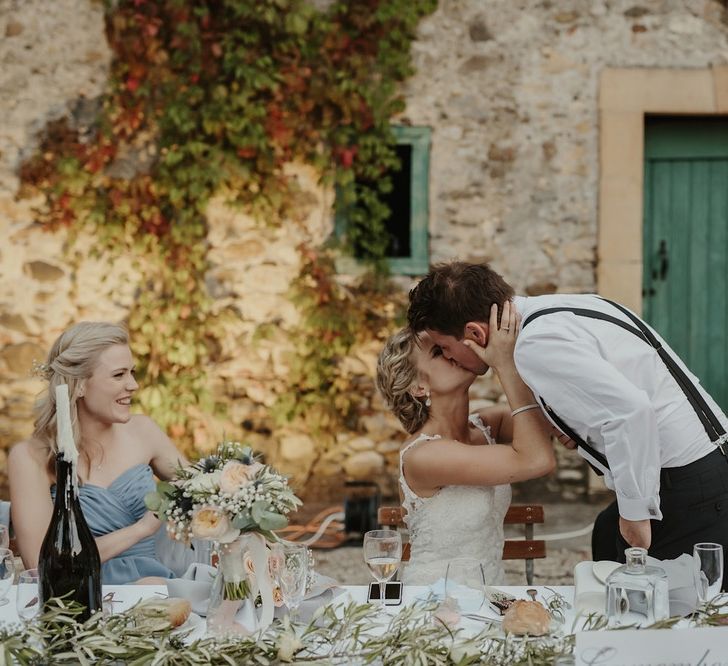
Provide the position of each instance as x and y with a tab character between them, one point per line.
69	561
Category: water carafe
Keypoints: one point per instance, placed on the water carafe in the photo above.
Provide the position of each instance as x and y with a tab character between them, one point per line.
637	593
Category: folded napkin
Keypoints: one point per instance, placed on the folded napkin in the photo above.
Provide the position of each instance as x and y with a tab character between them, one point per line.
590	594
681	583
323	590
195	586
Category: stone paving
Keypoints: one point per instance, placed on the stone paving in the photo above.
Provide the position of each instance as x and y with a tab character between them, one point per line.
346	565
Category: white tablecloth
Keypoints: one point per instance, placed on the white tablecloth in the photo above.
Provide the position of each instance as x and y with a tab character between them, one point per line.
126	596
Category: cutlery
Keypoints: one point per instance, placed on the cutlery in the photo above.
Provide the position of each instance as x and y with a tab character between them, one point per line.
483	618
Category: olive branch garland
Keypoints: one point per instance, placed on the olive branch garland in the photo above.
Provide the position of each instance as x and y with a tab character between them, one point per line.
337	634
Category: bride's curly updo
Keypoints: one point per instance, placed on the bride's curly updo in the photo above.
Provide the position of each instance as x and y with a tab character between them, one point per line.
396	376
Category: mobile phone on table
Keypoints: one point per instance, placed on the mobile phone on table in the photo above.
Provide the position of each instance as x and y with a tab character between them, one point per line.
392	593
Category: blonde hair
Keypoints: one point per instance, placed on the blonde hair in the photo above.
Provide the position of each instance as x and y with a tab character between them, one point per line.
71	360
396	376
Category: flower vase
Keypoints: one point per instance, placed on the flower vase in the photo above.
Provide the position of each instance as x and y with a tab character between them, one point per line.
242	577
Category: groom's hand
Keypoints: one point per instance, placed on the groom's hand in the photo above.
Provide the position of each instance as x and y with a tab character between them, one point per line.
637	533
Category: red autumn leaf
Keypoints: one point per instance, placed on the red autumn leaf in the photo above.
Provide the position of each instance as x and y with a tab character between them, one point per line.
132	84
246	153
64	201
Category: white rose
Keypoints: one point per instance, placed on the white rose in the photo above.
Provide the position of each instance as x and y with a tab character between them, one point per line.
204	482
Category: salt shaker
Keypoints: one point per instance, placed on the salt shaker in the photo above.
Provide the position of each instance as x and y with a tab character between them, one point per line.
637	593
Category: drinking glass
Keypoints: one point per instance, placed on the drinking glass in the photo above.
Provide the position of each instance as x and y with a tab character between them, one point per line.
708	558
465	583
293	575
382	554
7	573
4	536
27	601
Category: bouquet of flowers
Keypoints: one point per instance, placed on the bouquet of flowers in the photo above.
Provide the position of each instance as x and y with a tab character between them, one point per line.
236	501
223	496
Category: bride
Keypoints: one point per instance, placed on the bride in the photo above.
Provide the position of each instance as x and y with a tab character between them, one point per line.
454	474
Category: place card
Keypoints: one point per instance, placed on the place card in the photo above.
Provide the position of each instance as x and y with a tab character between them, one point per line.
705	646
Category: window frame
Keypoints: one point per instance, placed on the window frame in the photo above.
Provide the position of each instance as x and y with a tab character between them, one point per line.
418	262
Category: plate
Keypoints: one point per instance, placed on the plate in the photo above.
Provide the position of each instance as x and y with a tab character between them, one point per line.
603	568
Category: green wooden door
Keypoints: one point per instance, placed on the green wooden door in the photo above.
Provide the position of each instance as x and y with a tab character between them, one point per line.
685	279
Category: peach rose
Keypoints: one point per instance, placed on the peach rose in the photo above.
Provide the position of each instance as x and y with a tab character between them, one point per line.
276	560
277	597
235	475
249	565
208	522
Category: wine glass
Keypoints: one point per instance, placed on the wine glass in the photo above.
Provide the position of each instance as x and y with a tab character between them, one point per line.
465	583
708	558
7	573
27	601
293	575
382	554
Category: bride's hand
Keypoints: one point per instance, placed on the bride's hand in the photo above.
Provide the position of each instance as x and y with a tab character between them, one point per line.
498	351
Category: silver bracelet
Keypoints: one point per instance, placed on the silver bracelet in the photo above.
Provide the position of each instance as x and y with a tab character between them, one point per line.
533	405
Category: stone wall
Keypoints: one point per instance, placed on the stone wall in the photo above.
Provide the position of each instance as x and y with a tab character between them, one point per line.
509	88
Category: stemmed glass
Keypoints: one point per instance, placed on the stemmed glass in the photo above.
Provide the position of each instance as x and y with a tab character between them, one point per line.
708	558
28	600
7	573
382	554
293	575
465	583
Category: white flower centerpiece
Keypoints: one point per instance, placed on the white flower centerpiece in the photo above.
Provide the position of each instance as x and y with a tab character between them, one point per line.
233	499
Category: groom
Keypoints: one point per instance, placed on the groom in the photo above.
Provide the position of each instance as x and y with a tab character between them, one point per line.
635	412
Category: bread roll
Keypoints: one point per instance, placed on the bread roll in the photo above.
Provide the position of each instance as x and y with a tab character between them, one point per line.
158	612
527	617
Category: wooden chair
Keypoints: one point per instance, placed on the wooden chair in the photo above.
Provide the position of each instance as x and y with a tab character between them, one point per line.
514	549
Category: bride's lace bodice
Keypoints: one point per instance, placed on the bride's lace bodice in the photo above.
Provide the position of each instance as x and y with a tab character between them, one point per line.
457	521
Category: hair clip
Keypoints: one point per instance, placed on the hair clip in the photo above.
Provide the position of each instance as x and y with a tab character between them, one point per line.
42	370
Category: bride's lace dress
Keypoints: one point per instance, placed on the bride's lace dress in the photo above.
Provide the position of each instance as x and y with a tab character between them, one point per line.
457	521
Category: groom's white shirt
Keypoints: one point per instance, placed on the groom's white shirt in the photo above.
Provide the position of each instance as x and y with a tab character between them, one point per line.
616	393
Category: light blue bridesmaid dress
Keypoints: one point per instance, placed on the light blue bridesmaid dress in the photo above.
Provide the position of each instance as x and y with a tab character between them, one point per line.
120	505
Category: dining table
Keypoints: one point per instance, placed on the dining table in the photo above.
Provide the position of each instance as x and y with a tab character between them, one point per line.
592	648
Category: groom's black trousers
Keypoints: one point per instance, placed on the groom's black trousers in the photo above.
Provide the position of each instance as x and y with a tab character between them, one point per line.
694	504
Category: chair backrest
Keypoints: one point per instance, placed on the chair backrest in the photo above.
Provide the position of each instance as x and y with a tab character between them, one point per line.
527	549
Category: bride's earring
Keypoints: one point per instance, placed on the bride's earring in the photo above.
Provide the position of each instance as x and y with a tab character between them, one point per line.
428	401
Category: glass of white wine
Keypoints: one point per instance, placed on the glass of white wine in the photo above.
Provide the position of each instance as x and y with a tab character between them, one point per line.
382	554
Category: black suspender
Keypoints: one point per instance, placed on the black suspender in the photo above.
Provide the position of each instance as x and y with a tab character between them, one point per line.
712	425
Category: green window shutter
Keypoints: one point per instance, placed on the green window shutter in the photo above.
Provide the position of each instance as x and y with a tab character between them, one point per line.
417	260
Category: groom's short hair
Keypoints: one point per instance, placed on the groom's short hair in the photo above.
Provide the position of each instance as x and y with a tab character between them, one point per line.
453	294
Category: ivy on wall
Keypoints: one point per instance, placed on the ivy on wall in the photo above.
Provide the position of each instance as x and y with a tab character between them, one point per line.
210	96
